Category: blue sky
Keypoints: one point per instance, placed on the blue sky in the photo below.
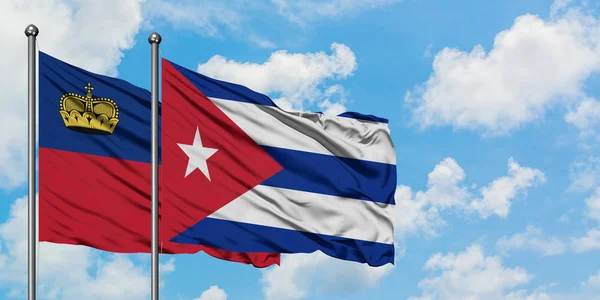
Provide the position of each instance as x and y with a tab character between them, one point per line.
493	113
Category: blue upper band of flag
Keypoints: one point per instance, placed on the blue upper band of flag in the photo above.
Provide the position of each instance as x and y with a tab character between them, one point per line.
131	139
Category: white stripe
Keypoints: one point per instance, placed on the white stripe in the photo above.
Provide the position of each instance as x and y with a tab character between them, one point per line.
309	212
311	132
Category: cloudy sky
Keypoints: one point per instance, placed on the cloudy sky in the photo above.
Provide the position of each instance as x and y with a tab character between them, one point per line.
493	109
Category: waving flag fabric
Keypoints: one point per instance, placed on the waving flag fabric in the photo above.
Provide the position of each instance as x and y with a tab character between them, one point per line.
94	166
236	165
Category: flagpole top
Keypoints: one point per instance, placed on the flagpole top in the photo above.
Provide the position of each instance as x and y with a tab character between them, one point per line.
31	30
154	38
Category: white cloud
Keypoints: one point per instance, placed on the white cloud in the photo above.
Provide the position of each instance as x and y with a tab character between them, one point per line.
589	291
585	174
586	116
532	66
302	274
88	33
415	214
213	293
589	242
533	240
420	211
333	101
559	6
204	17
210	17
472	275
167	267
428	51
332	108
213	18
261	42
443	184
525	295
593	206
593	282
67	271
302	11
496	197
297	79
118	278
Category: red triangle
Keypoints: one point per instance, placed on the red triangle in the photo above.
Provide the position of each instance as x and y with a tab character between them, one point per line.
238	165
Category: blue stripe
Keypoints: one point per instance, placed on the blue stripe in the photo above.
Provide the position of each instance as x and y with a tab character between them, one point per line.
214	88
223	90
132	135
244	237
359	116
332	175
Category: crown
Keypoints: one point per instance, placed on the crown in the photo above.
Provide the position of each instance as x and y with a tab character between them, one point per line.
88	114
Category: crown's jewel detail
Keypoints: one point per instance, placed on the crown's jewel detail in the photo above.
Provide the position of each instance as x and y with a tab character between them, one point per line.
88	114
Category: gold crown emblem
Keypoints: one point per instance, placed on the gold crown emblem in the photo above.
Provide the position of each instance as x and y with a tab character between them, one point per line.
87	114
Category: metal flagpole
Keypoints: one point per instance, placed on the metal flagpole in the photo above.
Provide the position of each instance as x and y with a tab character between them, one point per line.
31	32
154	39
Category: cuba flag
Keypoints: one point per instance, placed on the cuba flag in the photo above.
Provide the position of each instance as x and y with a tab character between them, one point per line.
95	168
246	176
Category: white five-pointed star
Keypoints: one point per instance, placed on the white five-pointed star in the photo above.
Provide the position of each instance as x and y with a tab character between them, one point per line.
197	155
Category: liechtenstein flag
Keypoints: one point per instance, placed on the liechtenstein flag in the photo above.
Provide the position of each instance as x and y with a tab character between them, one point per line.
95	170
243	175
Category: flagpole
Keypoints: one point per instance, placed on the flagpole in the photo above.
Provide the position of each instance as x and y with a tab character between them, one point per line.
31	32
154	39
